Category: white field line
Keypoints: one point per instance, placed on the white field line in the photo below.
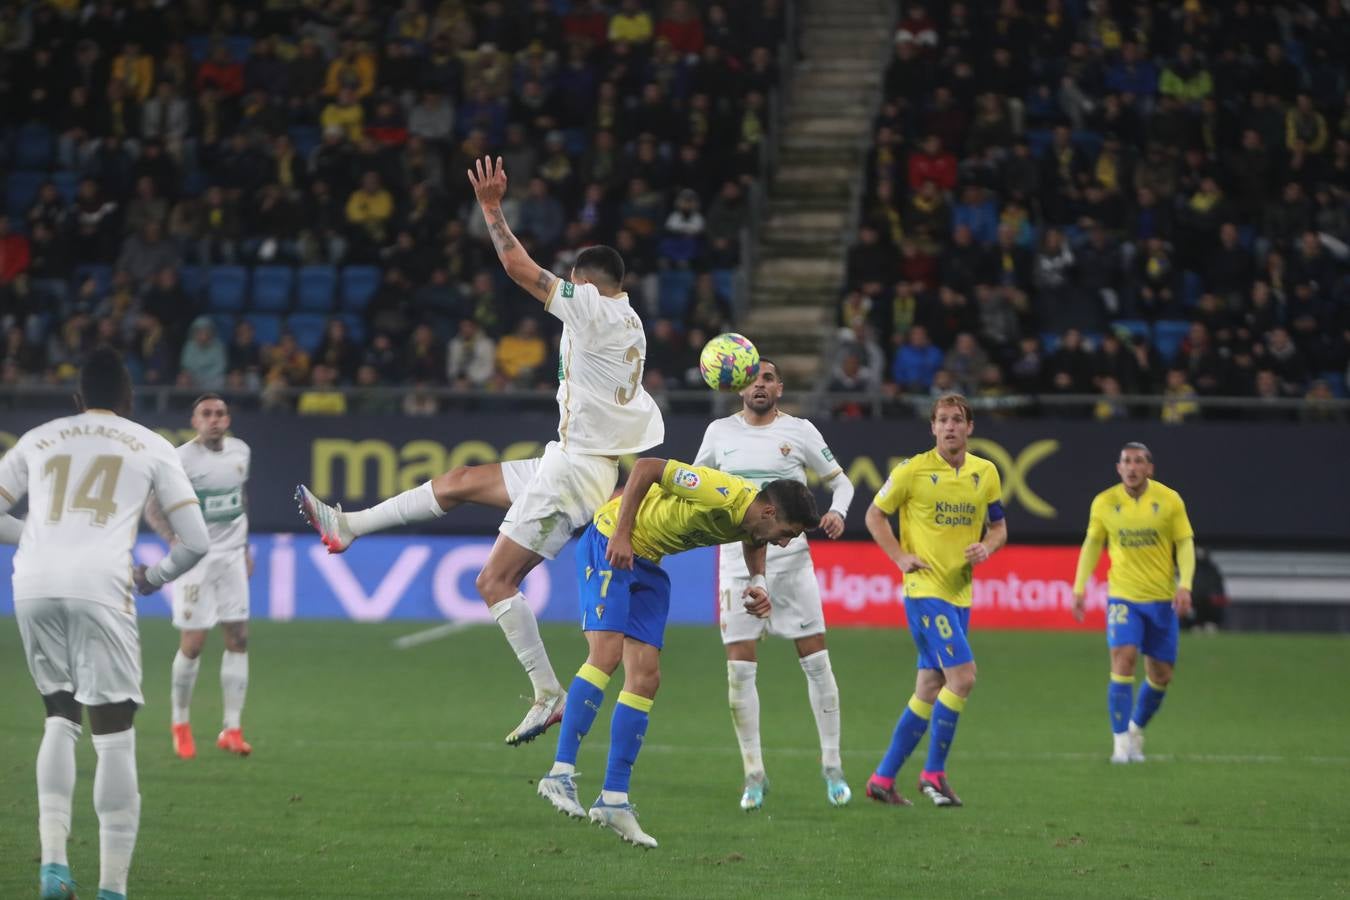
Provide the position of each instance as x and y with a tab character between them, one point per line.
435	633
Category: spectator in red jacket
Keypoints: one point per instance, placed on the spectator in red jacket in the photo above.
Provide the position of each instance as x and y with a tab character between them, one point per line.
682	27
587	21
931	163
221	72
13	253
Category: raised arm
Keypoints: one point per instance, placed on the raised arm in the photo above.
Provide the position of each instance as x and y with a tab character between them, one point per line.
646	472
489	186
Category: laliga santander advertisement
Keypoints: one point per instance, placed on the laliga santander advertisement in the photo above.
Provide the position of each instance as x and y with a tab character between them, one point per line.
1019	587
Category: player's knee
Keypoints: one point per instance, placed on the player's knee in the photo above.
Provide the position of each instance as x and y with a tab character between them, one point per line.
237	643
111	718
450	486
192	643
1160	675
962	681
64	705
643	682
493	585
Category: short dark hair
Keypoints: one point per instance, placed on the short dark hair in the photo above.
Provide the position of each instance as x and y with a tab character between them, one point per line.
209	395
602	260
765	361
793	501
105	382
1137	445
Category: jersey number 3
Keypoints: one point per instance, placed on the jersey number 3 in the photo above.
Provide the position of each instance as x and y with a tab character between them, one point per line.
95	492
624	395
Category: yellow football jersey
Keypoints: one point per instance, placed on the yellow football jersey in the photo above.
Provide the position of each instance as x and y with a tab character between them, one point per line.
1141	536
942	512
691	506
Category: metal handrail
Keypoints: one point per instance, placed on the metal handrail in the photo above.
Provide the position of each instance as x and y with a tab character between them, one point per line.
881	403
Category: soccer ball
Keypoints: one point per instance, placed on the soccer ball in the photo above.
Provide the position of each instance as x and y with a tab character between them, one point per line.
729	362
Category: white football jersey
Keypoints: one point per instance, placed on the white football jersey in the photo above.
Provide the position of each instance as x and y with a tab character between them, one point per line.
87	478
785	448
603	408
218	477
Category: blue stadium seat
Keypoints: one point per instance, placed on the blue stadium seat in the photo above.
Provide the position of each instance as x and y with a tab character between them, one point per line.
305	138
1049	342
359	284
226	288
1191	288
676	286
224	326
1168	335
316	288
266	326
308	329
102	276
1135	327
193	279
21	189
1039	141
724	282
199	47
356	327
272	288
240	47
1089	143
33	147
1336	380
68	183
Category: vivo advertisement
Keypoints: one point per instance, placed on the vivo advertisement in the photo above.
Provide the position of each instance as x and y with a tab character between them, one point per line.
432	579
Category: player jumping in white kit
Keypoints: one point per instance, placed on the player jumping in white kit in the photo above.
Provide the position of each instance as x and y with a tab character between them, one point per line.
762	444
216	590
87	478
604	413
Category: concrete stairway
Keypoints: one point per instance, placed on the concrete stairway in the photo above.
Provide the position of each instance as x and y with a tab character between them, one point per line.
827	124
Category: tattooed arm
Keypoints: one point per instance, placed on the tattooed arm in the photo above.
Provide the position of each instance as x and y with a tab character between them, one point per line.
489	186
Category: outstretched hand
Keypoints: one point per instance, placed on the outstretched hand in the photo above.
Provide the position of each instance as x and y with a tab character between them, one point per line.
489	182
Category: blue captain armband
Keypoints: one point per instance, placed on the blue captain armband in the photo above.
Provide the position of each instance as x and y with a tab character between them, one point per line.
996	513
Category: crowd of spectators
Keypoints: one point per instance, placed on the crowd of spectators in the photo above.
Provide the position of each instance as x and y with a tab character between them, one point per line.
155	153
1110	198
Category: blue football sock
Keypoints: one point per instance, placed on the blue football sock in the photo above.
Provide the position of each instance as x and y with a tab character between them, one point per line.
908	732
1150	698
1119	697
945	714
626	730
584	697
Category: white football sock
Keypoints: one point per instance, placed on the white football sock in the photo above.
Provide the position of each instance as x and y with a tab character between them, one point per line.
562	768
117	800
522	631
233	685
184	680
614	798
416	505
56	785
744	699
824	694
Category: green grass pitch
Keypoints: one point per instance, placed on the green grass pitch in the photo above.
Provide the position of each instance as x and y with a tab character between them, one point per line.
380	773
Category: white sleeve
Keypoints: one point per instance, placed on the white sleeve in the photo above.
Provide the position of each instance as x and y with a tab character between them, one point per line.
193	541
13	475
577	305
821	460
707	452
172	486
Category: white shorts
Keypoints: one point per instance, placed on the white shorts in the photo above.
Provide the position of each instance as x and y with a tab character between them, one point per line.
554	495
795	596
214	590
87	648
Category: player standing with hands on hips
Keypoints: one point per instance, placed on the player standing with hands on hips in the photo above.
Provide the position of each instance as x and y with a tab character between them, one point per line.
951	519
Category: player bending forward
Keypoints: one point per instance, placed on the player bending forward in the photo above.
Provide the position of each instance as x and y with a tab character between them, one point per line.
763	444
1144	526
951	519
87	478
216	590
605	413
666	507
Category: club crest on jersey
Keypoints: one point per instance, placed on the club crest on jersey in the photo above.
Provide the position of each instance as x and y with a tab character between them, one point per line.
686	478
785	448
1155	509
